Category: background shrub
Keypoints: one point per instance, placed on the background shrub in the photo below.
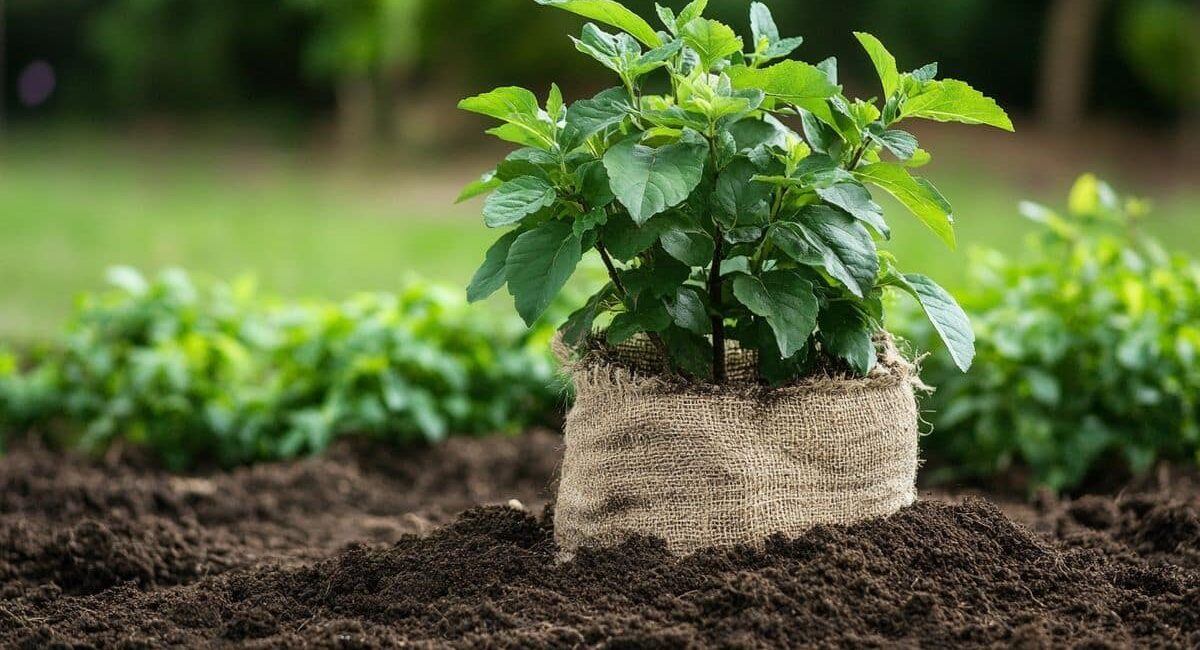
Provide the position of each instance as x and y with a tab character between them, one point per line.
215	373
1087	352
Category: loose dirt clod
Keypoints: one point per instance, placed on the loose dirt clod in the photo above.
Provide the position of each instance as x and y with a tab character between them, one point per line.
1096	572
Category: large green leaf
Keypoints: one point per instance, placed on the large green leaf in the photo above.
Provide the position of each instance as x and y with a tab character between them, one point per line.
955	101
688	310
917	194
605	110
741	201
711	40
791	81
519	108
793	240
847	250
517	199
612	13
491	274
885	63
947	316
593	184
856	201
625	239
785	299
540	262
649	180
846	333
689	244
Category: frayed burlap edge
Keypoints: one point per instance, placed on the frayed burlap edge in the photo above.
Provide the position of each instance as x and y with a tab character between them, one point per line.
599	369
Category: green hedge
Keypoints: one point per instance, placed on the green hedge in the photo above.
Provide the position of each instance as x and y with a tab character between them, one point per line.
1087	359
215	373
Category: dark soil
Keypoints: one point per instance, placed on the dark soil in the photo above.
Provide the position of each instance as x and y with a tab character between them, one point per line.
364	549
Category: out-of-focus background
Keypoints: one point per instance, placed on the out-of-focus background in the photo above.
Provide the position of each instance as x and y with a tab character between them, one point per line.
317	144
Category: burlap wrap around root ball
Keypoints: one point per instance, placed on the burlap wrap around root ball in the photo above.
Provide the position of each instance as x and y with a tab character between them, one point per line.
717	465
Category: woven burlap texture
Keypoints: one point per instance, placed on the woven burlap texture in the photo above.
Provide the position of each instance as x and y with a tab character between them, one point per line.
707	466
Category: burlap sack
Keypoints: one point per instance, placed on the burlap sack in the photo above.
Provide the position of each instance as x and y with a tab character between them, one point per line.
711	466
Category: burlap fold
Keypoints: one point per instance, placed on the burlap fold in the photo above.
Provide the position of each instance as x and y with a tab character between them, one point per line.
711	466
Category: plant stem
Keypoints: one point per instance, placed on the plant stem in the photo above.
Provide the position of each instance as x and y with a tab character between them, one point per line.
718	318
655	339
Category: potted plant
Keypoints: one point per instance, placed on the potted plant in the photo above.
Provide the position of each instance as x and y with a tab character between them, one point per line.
744	383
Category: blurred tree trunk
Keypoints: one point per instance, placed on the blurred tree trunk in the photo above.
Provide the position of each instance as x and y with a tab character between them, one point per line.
1069	40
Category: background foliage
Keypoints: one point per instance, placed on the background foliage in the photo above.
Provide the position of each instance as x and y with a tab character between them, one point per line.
130	56
1087	349
215	373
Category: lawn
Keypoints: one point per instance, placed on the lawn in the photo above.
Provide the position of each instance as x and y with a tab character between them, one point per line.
74	203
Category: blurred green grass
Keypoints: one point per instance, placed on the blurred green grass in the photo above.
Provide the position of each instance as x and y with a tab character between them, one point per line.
71	206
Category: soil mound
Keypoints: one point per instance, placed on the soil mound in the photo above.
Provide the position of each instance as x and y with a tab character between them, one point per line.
254	563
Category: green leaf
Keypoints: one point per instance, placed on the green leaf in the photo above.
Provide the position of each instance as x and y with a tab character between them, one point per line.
692	11
480	186
625	239
955	101
660	279
690	352
741	201
847	250
590	221
791	81
902	144
593	184
824	138
917	194
667	16
612	13
540	262
792	239
762	24
616	52
926	72
526	161
519	108
491	274
516	200
711	40
856	201
504	104
751	133
947	317
647	181
885	63
783	47
651	316
554	103
578	327
687	309
605	110
785	299
692	246
846	333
